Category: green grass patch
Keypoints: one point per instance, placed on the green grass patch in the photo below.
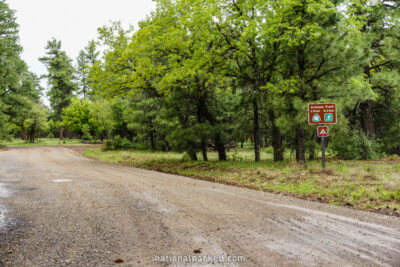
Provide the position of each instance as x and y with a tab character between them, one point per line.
366	185
45	142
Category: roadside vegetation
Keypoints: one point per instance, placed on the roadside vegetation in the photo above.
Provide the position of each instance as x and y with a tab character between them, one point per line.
199	79
365	185
45	142
204	75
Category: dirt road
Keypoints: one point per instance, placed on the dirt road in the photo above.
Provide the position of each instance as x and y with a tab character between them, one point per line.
59	208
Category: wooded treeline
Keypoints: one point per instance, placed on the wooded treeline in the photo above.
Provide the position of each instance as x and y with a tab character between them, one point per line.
212	74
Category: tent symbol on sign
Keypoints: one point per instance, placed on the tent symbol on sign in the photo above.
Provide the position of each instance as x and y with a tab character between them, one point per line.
322	132
316	118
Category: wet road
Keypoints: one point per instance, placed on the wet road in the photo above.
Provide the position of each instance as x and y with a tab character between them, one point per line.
58	208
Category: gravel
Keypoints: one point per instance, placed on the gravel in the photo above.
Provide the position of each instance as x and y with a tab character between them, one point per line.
59	208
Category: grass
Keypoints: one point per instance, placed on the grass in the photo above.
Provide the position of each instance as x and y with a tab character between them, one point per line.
45	142
366	185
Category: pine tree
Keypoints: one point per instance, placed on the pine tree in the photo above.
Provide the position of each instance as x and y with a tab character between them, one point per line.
244	34
378	113
17	84
86	59
60	79
322	53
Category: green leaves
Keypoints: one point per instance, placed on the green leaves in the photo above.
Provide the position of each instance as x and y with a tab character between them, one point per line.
86	59
60	76
17	84
76	115
192	63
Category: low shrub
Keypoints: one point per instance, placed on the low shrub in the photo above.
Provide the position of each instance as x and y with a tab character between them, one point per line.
86	133
126	144
118	143
355	145
108	145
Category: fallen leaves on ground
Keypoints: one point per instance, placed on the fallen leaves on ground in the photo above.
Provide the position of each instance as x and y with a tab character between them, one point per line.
197	250
118	260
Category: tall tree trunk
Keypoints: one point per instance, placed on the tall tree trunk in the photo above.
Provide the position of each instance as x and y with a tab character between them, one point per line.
164	143
61	132
205	113
276	139
24	136
69	134
256	131
311	148
300	132
251	137
204	149
367	119
230	134
32	136
192	154
220	146
203	143
152	141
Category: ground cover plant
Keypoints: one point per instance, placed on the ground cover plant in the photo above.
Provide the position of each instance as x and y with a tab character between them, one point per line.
44	142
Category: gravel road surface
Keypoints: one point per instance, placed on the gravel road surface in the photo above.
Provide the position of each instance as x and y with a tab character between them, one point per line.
58	208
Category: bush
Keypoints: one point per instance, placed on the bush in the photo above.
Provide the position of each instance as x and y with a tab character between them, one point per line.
86	133
119	143
185	157
235	157
126	144
354	145
108	145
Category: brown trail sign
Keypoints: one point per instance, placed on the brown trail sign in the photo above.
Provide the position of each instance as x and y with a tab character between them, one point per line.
322	113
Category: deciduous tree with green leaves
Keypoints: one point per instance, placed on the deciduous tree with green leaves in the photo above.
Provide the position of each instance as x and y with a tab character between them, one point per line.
101	118
36	121
77	115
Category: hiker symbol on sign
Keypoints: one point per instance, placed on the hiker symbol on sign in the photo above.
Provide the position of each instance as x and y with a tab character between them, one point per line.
316	118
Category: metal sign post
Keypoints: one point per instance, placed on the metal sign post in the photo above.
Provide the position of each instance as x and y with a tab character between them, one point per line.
323	153
323	132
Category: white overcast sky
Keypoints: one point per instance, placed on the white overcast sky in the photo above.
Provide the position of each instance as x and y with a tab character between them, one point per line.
74	22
